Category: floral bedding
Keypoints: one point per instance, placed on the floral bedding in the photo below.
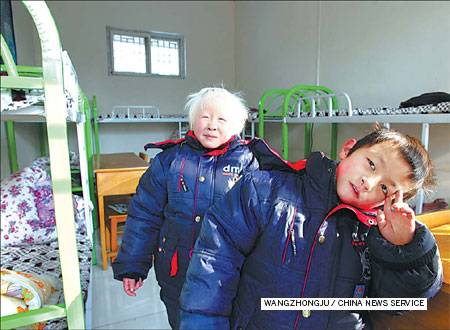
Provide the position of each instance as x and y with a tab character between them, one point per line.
27	208
29	239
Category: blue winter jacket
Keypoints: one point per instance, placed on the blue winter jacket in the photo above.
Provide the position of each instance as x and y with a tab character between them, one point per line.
166	213
284	234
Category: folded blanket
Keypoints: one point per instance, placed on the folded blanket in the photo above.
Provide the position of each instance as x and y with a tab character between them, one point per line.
21	291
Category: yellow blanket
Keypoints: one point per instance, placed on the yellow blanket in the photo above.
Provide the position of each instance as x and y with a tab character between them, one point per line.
21	292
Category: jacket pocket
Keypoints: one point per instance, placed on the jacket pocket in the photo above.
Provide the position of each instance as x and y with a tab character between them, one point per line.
167	256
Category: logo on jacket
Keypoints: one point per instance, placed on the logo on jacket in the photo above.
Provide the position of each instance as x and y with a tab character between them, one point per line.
231	170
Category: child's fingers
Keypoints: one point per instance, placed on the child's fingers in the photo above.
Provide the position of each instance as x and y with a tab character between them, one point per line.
399	205
381	218
406	211
128	286
398	196
138	284
388	205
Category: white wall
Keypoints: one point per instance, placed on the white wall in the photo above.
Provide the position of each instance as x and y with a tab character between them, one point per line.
208	29
379	52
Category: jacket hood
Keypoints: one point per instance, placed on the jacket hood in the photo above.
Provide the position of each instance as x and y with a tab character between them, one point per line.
269	159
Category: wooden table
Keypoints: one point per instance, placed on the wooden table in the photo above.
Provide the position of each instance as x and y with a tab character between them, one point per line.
116	174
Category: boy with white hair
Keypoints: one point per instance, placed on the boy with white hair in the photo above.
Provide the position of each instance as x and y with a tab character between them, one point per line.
187	177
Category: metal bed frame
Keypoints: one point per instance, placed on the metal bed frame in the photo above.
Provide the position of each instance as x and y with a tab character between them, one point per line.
54	78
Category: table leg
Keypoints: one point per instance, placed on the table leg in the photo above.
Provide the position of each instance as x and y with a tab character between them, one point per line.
113	235
108	240
101	220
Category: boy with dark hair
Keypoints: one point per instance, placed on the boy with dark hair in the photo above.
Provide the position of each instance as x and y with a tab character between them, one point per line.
320	230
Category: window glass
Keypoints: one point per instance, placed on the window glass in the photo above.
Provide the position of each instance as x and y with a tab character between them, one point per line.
145	53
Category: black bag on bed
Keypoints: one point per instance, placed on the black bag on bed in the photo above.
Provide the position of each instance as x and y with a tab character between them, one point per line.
427	98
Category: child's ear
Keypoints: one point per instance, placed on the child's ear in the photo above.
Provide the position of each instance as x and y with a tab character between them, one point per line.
346	148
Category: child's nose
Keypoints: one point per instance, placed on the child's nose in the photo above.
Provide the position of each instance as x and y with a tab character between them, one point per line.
367	183
212	125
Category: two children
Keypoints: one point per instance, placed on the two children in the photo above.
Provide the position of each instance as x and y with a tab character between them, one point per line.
187	177
319	230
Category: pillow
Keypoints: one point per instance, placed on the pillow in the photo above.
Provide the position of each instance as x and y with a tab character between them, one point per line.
19	215
46	208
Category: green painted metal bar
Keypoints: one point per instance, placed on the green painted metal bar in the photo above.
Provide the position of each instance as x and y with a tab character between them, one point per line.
11	68
43	140
90	171
88	129
261	109
97	140
22	82
34	316
299	91
8	59
302	88
90	156
25	69
12	146
55	103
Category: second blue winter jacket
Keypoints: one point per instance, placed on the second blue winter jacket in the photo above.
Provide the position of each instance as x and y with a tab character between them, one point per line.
284	234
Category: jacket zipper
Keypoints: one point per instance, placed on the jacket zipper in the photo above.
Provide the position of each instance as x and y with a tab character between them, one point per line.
195	209
291	237
181	181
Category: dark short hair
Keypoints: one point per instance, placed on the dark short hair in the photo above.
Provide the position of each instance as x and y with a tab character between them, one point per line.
412	151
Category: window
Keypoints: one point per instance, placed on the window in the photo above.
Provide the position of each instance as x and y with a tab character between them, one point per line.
143	53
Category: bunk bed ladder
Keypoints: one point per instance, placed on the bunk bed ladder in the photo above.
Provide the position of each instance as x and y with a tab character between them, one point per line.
96	138
59	160
55	101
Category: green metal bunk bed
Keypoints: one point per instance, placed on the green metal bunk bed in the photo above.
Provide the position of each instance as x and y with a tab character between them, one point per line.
277	105
54	79
84	108
308	105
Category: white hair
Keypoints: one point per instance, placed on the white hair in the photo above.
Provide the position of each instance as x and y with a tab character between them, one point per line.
197	101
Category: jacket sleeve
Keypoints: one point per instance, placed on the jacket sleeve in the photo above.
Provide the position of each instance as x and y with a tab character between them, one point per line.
227	236
145	216
413	270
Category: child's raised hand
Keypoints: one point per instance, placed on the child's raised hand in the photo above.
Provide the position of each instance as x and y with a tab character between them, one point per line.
397	222
130	285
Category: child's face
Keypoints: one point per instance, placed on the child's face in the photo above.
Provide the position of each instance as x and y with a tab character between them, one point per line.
213	125
371	174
